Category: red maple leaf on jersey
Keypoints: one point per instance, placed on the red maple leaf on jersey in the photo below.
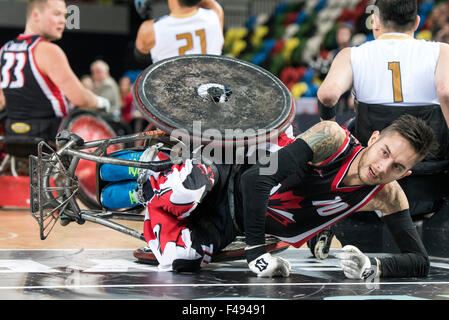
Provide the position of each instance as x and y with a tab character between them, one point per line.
280	206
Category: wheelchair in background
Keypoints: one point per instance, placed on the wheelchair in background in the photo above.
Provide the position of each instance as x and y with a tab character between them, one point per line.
20	139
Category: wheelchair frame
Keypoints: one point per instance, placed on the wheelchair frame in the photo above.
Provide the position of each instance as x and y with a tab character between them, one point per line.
54	185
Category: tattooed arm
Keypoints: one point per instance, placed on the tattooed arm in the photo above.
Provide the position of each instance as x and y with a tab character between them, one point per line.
413	261
312	147
324	138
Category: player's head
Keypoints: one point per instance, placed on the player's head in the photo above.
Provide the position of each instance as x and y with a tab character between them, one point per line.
393	152
396	15
99	70
343	34
189	3
47	18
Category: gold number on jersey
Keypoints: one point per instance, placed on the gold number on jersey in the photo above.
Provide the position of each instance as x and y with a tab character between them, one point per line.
189	38
202	34
395	68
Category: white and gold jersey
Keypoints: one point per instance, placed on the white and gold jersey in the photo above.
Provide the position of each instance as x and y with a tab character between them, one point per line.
395	70
200	33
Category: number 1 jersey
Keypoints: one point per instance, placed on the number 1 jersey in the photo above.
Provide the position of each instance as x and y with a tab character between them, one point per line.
395	69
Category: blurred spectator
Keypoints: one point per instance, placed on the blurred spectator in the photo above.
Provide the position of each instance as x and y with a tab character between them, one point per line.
126	99
343	36
105	86
439	17
87	82
443	34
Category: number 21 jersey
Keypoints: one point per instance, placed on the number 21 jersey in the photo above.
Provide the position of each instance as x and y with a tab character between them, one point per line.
197	34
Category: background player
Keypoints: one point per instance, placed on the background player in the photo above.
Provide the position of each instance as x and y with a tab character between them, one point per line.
192	27
395	69
38	84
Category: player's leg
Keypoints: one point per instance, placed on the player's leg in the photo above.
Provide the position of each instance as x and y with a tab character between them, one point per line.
120	195
112	172
186	221
125	189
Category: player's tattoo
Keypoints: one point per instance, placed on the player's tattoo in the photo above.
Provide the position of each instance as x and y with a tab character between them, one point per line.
324	139
396	199
389	200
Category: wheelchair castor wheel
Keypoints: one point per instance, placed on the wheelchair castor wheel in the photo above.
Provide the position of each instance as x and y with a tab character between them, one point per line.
320	244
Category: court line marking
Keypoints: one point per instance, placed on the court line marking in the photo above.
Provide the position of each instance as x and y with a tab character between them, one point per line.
222	285
73	249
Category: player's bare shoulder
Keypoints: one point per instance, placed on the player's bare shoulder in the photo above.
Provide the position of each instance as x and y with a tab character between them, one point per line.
49	55
145	36
389	200
147	27
325	138
49	48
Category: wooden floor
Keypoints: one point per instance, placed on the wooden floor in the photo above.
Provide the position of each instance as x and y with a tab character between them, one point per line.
19	230
90	262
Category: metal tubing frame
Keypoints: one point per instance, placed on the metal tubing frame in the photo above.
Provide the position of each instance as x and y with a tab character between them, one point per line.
96	218
70	207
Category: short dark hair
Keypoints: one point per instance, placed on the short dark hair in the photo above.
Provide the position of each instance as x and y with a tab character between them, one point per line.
189	3
399	15
417	132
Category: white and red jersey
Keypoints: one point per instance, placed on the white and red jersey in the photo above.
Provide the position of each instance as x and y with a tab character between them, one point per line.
200	33
29	93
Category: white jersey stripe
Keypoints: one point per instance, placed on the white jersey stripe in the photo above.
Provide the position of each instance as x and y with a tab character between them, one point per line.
309	233
37	74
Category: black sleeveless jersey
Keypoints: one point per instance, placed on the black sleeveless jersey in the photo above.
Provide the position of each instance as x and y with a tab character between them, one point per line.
298	210
29	93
